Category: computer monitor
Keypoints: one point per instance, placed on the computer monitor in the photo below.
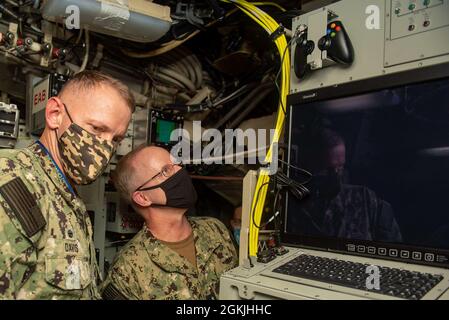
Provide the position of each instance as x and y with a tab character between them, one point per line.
164	129
380	165
161	126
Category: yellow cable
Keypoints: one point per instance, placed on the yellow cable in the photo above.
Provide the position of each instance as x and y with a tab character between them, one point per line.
273	4
264	178
270	26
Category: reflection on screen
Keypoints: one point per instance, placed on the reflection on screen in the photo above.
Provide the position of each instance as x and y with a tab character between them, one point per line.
380	163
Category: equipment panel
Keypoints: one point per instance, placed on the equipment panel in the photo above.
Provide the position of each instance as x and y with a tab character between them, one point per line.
412	17
388	37
9	125
416	32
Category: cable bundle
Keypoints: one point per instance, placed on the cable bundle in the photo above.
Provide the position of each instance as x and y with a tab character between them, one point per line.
283	183
296	188
271	27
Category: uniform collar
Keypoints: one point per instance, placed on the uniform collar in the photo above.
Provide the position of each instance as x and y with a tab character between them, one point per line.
52	170
171	261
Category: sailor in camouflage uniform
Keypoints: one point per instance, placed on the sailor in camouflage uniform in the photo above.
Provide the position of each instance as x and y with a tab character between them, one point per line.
355	212
172	257
338	209
46	247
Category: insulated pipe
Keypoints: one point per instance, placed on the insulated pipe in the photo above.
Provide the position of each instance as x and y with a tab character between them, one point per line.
178	62
139	98
98	56
159	95
162	77
182	58
202	94
254	103
196	67
161	50
190	69
72	67
177	65
164	89
78	39
199	70
206	77
86	55
181	61
175	75
12	3
146	87
236	94
173	63
184	96
165	99
8	12
252	95
173	66
162	102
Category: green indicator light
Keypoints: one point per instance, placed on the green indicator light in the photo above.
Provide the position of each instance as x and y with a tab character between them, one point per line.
333	34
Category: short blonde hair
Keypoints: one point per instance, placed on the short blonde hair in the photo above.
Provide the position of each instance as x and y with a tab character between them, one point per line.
124	175
90	79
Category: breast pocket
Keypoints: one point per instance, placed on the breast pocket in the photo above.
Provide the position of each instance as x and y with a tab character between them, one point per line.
68	270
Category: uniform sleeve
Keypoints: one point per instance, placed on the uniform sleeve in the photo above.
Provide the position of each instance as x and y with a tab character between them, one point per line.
121	282
21	222
227	243
15	253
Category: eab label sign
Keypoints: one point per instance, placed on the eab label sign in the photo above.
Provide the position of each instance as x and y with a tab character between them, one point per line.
40	94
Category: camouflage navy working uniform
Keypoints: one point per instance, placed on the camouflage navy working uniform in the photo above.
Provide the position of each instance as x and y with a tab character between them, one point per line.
356	212
46	248
147	269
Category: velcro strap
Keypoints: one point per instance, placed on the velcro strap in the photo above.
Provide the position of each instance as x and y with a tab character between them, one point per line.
112	293
23	205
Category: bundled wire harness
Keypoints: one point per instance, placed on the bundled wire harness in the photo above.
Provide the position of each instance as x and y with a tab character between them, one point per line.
273	29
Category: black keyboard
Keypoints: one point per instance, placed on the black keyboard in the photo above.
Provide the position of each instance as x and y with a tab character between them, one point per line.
394	282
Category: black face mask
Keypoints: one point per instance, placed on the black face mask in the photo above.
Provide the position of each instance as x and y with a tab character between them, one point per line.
178	189
327	185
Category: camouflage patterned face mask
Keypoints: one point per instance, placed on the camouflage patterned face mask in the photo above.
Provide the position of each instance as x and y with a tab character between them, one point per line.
84	156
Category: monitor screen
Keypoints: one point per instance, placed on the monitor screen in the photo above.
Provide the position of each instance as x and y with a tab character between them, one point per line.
164	128
380	165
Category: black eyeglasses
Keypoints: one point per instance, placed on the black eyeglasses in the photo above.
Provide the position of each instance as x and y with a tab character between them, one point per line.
167	171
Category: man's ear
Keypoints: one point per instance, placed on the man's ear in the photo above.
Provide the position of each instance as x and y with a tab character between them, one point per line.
141	199
54	113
